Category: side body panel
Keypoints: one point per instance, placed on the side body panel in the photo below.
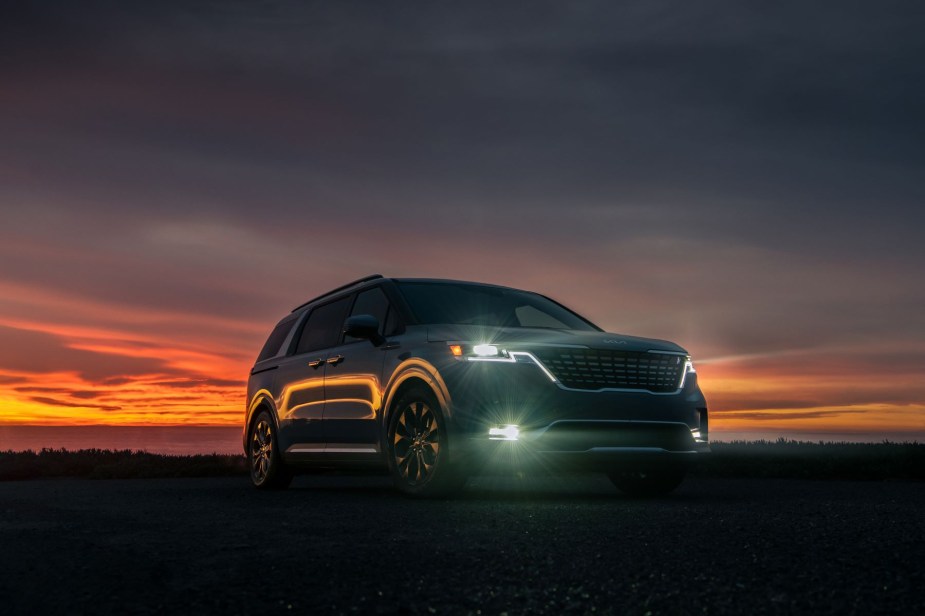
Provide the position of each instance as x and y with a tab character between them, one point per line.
299	398
353	394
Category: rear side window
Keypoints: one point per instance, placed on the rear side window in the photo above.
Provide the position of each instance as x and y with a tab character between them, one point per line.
275	341
324	327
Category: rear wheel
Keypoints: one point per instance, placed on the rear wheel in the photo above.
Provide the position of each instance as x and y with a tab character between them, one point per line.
268	472
418	447
648	482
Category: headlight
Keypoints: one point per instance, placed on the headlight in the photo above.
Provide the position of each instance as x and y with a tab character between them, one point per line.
508	432
479	352
493	353
485	350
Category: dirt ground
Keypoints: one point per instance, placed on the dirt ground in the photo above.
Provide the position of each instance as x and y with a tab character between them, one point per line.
345	544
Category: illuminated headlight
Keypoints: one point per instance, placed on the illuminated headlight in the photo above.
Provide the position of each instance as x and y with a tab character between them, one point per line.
504	433
479	352
485	350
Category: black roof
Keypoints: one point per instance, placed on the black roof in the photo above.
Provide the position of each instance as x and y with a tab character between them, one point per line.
449	281
340	288
365	279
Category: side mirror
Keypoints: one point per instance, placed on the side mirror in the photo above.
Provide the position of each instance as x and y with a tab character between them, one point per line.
364	326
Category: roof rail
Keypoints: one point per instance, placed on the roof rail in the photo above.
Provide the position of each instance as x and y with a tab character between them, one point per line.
340	288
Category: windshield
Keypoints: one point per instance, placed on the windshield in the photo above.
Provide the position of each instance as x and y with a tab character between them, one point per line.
472	304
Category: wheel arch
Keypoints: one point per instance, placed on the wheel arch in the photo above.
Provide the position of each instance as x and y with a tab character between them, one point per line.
414	373
262	401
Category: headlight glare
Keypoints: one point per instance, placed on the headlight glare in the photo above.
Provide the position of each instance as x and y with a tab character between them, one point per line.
504	433
485	350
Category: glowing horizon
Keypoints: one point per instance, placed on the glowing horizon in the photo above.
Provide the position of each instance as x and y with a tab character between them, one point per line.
173	181
201	381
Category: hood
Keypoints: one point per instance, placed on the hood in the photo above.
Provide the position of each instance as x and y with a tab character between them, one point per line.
527	337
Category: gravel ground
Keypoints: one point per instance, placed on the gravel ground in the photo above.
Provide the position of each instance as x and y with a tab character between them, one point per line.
546	545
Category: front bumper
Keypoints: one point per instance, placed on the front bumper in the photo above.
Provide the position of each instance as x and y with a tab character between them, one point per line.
560	427
603	445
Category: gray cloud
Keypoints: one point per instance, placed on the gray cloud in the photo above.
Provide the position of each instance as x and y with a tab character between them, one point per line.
737	177
37	352
64	403
756	415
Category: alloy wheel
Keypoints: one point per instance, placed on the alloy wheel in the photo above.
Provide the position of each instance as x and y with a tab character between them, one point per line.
416	443
261	451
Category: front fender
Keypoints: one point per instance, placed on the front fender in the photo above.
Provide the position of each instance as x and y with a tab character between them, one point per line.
420	369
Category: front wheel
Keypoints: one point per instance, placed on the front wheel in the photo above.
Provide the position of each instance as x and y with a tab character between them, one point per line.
648	482
418	447
268	472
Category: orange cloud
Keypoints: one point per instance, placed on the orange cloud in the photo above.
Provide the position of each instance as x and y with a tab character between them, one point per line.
862	390
101	363
97	363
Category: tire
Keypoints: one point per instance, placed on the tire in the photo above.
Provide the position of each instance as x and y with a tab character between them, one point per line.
650	481
418	447
267	469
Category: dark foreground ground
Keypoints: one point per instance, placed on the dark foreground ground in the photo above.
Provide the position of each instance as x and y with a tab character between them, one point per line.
567	544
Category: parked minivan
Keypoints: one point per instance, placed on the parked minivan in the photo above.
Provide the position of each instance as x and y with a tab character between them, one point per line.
438	380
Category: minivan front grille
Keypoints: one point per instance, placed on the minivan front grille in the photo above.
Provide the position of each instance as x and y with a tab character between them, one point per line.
599	369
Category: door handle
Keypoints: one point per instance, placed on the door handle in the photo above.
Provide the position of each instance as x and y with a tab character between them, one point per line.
335	360
315	363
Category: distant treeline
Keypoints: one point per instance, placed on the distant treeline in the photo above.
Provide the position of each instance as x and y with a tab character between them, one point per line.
803	460
118	464
738	459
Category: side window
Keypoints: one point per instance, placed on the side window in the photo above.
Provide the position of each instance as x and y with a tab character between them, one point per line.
372	302
391	322
324	326
275	341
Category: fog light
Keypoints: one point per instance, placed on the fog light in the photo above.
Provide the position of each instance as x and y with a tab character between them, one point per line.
504	433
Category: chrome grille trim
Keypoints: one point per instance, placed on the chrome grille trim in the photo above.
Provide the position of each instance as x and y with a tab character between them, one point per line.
598	369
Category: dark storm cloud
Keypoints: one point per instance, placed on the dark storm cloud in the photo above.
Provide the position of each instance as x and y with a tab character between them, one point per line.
756	165
372	106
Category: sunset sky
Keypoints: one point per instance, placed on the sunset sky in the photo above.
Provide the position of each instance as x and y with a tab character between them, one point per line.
746	180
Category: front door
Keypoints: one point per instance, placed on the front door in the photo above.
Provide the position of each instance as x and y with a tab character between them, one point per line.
353	382
300	379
